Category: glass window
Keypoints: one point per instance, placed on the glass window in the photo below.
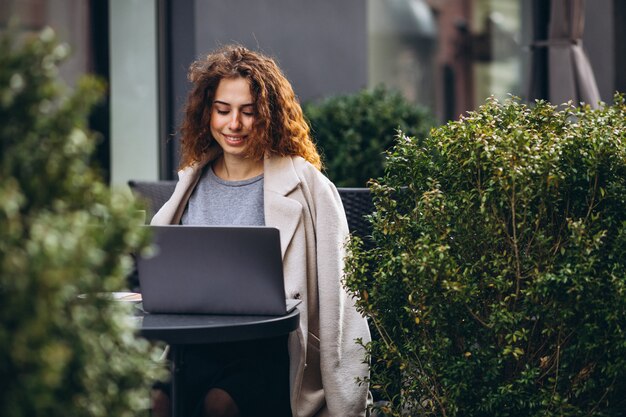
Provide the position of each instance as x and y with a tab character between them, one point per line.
449	55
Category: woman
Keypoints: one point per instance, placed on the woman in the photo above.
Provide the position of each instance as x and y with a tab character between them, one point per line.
247	158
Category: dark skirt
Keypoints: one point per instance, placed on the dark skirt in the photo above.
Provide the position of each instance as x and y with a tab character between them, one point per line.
255	374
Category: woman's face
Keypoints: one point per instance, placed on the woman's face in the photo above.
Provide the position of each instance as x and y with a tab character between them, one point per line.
232	116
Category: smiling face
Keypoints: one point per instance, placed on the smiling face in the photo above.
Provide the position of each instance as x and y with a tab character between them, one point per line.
232	116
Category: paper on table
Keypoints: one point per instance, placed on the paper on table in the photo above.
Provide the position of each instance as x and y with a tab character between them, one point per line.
134	297
127	296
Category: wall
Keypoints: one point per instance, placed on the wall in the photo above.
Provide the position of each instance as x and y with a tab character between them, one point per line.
134	93
320	45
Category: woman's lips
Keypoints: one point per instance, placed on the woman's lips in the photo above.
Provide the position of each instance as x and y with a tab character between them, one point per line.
235	140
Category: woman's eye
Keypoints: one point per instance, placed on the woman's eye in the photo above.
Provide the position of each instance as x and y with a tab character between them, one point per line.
221	111
248	113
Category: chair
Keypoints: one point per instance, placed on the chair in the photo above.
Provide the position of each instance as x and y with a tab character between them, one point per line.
357	203
153	193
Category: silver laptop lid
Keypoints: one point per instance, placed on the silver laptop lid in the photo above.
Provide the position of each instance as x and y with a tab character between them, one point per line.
213	270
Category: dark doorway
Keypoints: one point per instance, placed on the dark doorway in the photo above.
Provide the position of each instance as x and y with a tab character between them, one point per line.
100	118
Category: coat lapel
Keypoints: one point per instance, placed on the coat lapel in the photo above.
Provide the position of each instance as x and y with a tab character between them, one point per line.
281	212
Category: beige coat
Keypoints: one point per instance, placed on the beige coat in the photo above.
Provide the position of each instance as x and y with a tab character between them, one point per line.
324	358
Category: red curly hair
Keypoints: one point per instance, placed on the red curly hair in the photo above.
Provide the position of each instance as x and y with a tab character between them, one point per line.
279	127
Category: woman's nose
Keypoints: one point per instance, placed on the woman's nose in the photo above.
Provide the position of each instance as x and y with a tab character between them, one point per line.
235	121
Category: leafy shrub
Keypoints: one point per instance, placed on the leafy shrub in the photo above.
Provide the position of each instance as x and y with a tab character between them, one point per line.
353	131
62	234
497	282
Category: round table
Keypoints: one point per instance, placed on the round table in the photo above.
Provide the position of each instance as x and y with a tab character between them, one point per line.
179	330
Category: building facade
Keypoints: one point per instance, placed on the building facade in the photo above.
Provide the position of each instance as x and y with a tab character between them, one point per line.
448	55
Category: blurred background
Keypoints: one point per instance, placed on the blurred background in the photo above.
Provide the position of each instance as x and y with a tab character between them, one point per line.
446	55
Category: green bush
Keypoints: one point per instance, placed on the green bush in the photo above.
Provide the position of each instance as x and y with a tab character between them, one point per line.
62	234
497	281
354	131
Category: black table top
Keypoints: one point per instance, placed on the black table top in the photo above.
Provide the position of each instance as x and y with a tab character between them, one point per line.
203	329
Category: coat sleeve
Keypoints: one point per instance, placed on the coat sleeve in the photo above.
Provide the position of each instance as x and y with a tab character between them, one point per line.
342	360
172	211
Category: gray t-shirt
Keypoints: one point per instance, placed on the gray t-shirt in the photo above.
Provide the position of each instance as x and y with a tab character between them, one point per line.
218	202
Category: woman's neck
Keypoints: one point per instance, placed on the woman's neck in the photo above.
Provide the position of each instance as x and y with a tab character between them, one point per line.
237	169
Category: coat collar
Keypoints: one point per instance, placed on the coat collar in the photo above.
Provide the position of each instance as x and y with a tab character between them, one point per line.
280	174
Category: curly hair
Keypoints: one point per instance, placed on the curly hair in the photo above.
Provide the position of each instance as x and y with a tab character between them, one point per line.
279	127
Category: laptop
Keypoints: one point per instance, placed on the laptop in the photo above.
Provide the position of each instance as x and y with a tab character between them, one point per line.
214	270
